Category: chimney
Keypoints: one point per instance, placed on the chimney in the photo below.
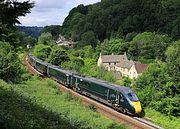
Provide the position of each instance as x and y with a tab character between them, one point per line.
100	55
125	56
112	53
124	53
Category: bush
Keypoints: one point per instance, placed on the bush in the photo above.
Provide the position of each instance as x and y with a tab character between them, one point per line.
74	64
42	51
10	66
57	56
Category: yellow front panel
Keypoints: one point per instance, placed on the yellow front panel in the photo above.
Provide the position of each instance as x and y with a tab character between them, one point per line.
137	106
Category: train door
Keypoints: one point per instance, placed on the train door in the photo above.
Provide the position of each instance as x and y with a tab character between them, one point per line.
111	97
117	98
67	79
76	84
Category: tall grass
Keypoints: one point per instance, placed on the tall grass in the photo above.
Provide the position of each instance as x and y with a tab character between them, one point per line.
163	120
47	96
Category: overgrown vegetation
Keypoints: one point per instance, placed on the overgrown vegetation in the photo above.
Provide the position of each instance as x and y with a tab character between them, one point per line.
39	104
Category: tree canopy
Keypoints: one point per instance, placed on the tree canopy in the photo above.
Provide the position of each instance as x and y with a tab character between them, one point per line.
10	11
121	17
10	68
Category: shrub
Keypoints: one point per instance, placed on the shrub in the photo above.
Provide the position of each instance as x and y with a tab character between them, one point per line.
10	66
42	51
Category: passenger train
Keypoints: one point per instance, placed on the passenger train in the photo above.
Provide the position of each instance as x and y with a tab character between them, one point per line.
121	98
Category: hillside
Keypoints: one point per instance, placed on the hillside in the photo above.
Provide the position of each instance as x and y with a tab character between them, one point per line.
118	18
31	31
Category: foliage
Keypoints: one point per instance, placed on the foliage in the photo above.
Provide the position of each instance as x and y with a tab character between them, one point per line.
162	120
10	11
41	51
90	69
88	38
36	104
18	110
116	46
161	92
125	81
173	66
46	39
57	56
10	68
33	31
149	45
119	18
55	30
74	64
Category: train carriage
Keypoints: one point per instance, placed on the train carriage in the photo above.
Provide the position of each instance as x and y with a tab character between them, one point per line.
61	75
31	60
41	66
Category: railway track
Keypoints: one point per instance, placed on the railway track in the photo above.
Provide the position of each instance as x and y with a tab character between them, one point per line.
131	122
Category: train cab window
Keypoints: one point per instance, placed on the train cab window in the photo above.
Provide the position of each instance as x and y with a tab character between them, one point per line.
132	96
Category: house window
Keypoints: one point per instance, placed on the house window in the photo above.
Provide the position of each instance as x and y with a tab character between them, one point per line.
109	63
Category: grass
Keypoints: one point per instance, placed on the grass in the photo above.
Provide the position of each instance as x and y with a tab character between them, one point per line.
45	93
163	120
20	112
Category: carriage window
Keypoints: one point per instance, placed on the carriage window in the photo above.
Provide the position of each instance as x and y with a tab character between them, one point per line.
132	96
112	96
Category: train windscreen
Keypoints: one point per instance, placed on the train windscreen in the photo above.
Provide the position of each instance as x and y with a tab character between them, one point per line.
132	96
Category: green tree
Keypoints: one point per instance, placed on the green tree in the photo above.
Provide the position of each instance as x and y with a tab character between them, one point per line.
173	66
10	68
58	56
125	81
116	46
89	38
41	51
46	39
147	46
74	64
10	11
55	30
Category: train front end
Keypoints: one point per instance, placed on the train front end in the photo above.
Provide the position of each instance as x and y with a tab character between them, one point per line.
134	102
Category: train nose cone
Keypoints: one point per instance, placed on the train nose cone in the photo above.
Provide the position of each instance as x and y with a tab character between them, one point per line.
137	107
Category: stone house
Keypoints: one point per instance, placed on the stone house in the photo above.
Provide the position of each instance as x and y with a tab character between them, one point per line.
121	64
109	61
124	66
61	41
136	70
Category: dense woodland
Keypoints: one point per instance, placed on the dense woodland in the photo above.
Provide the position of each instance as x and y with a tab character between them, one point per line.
148	30
33	31
121	18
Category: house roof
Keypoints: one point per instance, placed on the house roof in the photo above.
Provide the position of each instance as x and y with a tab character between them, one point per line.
140	67
125	64
113	58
